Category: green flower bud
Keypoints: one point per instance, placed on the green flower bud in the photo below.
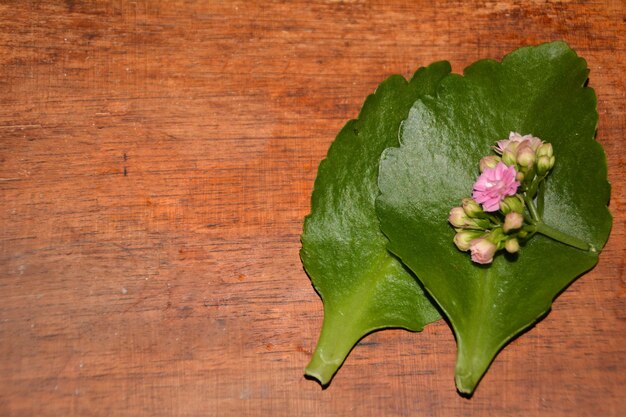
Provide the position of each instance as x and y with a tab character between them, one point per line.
472	208
459	219
543	165
545	150
512	204
508	157
463	239
511	245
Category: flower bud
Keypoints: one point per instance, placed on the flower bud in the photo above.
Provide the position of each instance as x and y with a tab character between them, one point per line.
482	250
472	208
543	165
490	161
516	202
545	150
457	217
519	176
522	234
511	245
508	157
526	156
512	204
513	221
463	239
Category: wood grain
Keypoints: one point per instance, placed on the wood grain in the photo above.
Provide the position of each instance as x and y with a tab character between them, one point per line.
156	162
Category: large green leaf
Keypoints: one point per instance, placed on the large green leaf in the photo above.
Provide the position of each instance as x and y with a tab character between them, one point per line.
364	288
535	90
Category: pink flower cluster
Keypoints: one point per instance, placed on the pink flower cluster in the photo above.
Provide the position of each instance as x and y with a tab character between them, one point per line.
493	219
493	185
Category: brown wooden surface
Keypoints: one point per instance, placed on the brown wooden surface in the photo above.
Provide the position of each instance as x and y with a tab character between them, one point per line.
157	160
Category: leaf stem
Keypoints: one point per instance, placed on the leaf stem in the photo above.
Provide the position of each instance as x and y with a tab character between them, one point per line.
559	236
336	340
538	226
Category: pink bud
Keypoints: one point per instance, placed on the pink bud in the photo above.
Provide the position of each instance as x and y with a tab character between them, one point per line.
512	221
489	162
457	217
482	250
525	156
511	245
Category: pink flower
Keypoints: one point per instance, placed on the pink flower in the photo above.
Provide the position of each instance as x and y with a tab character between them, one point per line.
482	250
516	140
493	185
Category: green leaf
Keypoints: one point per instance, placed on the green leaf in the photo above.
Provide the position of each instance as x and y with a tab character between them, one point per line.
535	90
363	287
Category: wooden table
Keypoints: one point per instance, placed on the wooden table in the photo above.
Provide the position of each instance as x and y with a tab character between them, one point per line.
156	163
